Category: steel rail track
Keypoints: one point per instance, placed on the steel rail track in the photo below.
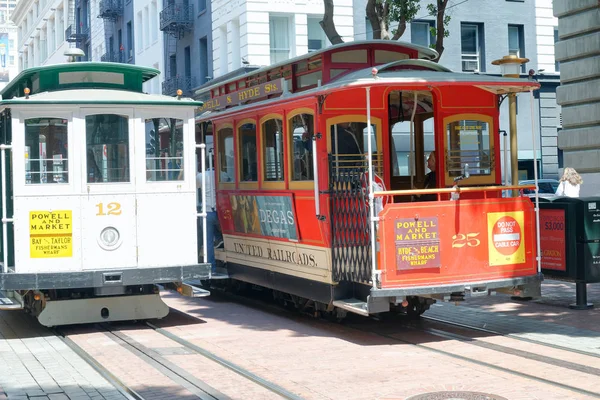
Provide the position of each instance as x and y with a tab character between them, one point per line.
125	390
511	335
172	371
448	335
468	340
227	364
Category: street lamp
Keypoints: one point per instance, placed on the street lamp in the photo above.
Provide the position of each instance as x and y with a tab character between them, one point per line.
511	68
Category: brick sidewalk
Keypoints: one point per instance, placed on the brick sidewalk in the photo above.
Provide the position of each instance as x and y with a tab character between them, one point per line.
34	364
548	319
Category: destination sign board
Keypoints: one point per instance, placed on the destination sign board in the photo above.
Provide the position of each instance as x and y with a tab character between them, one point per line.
244	95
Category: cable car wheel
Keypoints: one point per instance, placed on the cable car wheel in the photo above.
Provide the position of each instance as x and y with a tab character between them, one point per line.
416	306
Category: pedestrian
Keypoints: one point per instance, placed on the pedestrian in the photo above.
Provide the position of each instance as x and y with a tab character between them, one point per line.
569	183
430	180
212	221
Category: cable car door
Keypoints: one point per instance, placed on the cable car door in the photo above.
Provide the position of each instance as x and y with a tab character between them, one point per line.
108	203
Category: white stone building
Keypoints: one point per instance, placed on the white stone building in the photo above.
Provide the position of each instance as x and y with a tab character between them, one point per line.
149	41
260	33
41	28
486	30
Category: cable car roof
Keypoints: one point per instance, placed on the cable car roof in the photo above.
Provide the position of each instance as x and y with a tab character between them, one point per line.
422	52
409	72
78	75
428	72
102	96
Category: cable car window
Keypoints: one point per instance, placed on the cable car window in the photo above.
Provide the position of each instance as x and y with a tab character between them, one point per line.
248	153
273	150
226	154
164	149
349	141
107	148
302	127
469	143
46	151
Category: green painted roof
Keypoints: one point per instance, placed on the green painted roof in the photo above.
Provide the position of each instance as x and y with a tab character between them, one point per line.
79	75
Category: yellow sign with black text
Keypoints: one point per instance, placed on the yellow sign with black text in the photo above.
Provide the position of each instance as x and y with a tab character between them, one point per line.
506	241
50	234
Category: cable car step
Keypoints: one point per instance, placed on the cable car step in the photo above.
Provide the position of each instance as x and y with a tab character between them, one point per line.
193	291
9	303
373	305
353	305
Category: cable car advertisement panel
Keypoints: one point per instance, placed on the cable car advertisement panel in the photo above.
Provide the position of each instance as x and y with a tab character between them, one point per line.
449	241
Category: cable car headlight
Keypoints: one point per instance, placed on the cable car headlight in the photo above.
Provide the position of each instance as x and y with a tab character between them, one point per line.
109	238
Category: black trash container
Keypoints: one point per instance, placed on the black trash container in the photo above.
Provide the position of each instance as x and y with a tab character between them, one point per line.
583	234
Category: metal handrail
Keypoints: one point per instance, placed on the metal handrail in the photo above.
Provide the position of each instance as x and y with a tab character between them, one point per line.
450	190
5	219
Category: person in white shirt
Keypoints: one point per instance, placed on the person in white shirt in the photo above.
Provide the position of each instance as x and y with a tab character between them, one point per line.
212	221
570	183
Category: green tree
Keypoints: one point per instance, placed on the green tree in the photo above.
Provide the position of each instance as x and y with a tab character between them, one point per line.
383	14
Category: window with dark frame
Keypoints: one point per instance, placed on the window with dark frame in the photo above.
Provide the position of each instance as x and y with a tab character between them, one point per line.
302	129
273	150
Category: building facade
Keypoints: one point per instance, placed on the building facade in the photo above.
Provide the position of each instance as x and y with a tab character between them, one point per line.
8	42
42	28
260	33
479	37
578	54
187	45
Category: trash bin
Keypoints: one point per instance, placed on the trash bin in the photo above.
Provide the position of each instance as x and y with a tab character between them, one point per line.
557	242
582	242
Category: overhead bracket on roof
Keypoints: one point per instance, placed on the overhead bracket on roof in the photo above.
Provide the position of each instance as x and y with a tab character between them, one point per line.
321	102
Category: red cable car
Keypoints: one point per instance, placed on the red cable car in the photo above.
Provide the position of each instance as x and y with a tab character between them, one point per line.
321	166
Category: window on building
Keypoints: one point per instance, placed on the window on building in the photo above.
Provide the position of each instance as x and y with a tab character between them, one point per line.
11	60
226	155
46	151
107	148
204	60
154	21
302	129
138	35
516	42
164	149
317	39
472	47
146	30
556	63
421	33
273	149
368	29
201	5
129	40
279	38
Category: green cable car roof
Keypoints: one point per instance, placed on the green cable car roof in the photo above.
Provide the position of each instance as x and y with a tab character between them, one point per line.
79	75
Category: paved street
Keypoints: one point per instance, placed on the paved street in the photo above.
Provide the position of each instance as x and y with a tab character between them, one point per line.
316	359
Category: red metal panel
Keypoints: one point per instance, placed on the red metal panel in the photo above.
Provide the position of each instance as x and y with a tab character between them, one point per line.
446	242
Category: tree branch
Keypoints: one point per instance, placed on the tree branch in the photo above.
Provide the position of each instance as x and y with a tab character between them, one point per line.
400	30
441	28
328	24
373	18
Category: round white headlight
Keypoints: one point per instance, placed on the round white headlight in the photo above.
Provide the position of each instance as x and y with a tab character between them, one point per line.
109	238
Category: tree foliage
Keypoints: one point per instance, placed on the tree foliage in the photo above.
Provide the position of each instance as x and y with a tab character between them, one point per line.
382	15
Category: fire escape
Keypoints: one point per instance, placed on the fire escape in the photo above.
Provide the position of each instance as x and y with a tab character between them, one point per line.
77	34
176	19
110	12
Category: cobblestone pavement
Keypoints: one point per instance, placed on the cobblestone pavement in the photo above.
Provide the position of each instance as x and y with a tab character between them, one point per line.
35	364
548	319
321	360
